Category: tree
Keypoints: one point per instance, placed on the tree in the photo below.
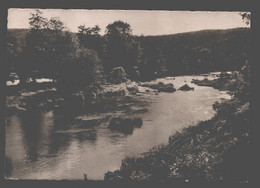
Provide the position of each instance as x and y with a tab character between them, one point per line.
122	49
55	24
246	17
119	29
161	67
12	54
154	64
89	37
79	71
48	45
31	56
12	50
36	20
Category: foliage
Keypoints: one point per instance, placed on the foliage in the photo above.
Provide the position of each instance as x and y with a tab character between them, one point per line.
12	52
91	38
153	64
122	49
36	20
89	31
187	53
78	71
195	52
47	45
53	52
246	16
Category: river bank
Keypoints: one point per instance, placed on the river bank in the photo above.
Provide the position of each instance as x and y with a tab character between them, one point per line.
216	150
45	95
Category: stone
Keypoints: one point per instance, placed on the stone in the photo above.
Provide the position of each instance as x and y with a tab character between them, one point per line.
167	88
125	125
133	89
117	75
186	87
161	87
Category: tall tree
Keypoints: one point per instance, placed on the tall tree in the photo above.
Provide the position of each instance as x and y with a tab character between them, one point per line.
32	53
122	49
36	20
48	45
89	37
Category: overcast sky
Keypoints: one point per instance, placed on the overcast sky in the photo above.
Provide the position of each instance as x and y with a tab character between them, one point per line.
141	21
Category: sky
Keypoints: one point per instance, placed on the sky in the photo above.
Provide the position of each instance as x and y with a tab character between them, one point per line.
143	22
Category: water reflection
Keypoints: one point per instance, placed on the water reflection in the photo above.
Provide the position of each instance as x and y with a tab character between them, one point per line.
31	125
8	167
59	141
89	135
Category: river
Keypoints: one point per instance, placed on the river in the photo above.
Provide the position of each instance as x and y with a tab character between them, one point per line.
48	145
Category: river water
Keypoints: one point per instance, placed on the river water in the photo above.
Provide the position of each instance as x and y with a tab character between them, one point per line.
49	145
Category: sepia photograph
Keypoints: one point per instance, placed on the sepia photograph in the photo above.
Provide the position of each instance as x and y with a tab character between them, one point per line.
127	95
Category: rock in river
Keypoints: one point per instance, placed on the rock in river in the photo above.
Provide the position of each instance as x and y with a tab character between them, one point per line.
161	87
132	88
166	88
186	87
125	125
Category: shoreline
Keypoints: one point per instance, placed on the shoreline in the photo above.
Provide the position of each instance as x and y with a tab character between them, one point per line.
46	96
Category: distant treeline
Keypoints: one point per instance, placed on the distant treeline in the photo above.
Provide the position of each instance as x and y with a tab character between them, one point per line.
80	59
195	52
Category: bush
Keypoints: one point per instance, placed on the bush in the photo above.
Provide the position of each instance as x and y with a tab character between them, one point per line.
78	72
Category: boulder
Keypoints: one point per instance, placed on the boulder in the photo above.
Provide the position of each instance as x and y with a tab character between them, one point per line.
161	87
186	87
200	82
137	122
133	89
117	75
209	83
167	88
125	125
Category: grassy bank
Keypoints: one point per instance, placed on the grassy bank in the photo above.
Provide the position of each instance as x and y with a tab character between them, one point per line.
216	150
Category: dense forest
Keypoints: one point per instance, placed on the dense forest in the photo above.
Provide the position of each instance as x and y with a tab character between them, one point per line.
197	52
